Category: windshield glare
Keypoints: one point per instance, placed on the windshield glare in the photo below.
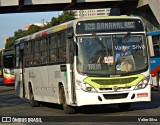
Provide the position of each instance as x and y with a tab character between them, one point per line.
9	71
111	54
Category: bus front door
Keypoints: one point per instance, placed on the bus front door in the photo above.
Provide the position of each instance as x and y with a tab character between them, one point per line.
22	86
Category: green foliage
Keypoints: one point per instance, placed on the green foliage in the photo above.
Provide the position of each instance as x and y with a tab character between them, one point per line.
32	29
47	25
20	33
64	17
10	43
54	21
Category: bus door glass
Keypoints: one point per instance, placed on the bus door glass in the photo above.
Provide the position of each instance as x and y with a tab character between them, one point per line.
19	71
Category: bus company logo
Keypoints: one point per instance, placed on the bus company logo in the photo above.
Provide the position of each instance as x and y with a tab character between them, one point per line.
115	88
6	119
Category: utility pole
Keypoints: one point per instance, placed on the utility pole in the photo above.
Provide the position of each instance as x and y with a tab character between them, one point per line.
43	21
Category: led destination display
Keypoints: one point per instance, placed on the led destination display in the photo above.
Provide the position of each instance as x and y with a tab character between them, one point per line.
100	26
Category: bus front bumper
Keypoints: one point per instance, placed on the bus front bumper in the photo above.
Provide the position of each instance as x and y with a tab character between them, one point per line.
95	98
8	81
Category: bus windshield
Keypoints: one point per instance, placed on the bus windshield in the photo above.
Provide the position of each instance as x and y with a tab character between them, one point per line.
112	54
8	61
9	71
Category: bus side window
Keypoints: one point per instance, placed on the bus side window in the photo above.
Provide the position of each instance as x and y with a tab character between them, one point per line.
44	57
28	55
37	58
62	46
62	54
31	59
53	56
37	52
44	49
53	49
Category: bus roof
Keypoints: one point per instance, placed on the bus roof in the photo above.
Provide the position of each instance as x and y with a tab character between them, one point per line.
67	25
153	33
46	32
108	17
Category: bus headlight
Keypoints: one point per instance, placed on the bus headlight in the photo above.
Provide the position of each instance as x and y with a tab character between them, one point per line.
86	87
143	83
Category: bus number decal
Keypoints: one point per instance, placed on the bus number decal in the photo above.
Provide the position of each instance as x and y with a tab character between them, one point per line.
94	66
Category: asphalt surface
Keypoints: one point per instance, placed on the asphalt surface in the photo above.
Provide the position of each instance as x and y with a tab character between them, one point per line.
15	107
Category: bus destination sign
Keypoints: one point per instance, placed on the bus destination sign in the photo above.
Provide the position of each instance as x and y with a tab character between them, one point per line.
102	26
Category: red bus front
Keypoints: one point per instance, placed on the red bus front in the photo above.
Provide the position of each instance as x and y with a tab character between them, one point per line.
8	76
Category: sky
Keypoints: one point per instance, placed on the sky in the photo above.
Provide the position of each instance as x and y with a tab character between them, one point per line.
9	23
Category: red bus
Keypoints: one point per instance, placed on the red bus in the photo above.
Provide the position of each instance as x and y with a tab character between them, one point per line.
8	67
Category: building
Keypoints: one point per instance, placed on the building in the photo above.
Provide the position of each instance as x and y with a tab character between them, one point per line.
91	12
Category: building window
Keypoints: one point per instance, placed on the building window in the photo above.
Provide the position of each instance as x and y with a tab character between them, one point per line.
100	13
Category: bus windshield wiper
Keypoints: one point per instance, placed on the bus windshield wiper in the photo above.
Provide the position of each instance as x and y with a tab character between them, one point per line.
100	42
125	37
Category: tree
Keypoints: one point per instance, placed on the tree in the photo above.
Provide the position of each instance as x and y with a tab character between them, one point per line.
20	33
54	21
66	16
47	25
10	43
32	29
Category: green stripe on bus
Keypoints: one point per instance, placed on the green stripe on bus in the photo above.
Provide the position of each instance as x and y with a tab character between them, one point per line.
65	74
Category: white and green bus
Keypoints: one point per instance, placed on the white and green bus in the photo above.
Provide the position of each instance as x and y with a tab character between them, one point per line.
81	63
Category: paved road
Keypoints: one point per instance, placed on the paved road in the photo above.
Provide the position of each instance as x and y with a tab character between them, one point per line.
13	106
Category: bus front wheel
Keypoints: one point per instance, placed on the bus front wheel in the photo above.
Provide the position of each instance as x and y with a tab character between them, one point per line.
67	109
32	101
124	106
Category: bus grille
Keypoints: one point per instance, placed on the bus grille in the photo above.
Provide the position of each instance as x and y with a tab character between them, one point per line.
115	96
119	88
114	81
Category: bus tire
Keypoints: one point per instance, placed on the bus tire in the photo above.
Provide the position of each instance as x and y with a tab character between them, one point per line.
32	101
67	109
124	106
